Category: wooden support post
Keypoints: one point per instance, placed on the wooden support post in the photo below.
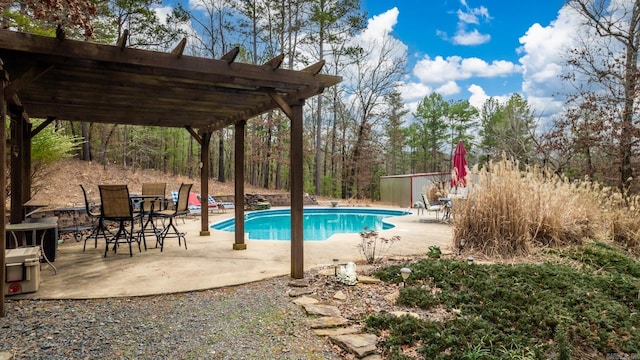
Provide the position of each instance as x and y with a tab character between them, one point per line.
26	161
204	183
297	188
17	164
4	81
239	243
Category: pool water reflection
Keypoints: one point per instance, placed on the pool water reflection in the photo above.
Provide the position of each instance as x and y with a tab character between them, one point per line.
318	223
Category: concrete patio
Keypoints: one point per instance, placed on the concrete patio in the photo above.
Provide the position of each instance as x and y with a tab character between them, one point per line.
210	261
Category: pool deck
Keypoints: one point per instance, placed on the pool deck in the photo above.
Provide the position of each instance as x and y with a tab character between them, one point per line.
210	261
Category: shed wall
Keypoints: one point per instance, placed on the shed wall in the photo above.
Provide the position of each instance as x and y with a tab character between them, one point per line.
406	190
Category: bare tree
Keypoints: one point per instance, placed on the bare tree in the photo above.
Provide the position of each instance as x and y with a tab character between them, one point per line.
606	62
371	78
332	23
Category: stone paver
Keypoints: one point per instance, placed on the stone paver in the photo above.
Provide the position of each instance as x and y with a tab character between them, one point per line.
299	283
358	344
372	357
327	322
337	331
340	295
300	291
392	297
363	279
322	310
405	313
304	300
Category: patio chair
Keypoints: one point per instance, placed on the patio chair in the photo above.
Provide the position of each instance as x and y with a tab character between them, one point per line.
174	198
221	205
96	219
116	206
154	189
153	200
194	204
181	208
431	207
210	205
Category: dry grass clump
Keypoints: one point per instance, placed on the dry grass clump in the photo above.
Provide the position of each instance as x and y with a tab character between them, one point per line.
434	192
623	214
510	211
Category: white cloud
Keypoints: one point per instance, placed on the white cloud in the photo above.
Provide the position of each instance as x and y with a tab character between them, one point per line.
413	91
412	94
479	96
163	12
440	70
379	30
470	38
468	16
449	88
542	54
380	25
545	106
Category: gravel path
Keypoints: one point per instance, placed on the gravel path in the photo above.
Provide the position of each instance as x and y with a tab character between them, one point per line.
252	321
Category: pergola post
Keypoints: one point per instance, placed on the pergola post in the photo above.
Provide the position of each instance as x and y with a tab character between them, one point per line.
297	202
4	80
26	161
204	183
17	155
239	243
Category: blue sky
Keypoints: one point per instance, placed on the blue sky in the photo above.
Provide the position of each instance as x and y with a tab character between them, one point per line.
476	49
473	49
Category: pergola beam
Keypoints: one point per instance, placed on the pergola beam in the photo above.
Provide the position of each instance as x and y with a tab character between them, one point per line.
231	55
122	40
179	49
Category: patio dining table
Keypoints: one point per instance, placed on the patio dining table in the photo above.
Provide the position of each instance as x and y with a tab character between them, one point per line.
139	201
446	206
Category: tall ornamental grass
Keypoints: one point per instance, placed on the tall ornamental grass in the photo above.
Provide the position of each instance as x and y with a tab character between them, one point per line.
508	212
623	215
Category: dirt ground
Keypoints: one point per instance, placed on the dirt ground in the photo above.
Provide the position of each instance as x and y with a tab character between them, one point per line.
58	184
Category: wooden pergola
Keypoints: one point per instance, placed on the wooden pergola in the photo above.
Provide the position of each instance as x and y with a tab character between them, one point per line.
58	78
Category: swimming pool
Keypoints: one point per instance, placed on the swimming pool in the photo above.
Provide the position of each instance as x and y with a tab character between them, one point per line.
318	224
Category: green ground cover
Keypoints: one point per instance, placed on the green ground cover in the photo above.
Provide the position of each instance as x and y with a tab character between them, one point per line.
582	302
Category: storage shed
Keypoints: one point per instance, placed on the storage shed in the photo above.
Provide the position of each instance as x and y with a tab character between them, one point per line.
405	190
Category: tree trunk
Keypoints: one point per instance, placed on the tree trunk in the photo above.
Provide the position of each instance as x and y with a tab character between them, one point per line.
104	142
630	84
86	145
221	173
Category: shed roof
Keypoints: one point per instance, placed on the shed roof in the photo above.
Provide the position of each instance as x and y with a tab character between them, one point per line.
85	81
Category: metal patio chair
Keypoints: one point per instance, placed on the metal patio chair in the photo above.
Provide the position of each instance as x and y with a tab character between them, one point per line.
98	227
181	208
116	206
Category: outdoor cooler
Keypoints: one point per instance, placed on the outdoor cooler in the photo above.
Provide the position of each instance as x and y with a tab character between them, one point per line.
22	271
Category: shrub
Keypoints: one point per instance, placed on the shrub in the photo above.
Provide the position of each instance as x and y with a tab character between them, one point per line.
582	307
373	247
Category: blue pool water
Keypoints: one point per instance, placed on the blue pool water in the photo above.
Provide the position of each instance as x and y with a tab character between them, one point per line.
318	223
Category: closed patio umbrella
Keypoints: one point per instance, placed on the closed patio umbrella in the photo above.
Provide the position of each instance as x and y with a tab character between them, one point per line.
459	171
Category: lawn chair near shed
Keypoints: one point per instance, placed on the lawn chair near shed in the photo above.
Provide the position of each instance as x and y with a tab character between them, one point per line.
432	207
